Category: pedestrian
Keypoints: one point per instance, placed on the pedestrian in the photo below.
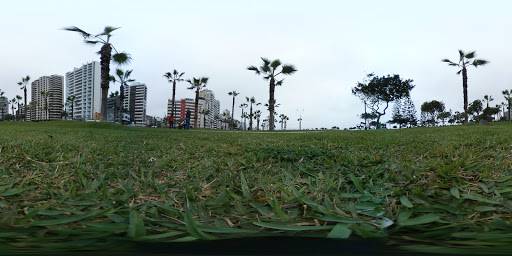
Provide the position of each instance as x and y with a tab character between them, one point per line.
171	122
188	118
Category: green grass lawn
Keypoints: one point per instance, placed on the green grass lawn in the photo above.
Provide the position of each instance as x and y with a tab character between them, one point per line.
91	186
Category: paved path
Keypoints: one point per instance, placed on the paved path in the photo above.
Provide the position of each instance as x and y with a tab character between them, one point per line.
238	131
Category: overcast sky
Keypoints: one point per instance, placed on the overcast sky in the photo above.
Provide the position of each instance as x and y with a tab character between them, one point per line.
333	44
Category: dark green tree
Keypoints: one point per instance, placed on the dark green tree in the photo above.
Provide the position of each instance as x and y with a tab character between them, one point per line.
173	78
465	60
475	108
24	84
508	96
430	111
376	91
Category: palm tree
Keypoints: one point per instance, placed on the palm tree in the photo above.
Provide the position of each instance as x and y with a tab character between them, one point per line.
119	58
114	96
270	70
124	79
257	115
18	98
243	106
250	101
13	101
24	84
465	60
197	83
174	77
45	95
205	112
71	101
488	98
508	96
503	108
234	93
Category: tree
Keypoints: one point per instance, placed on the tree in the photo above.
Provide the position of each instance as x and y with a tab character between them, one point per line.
114	96
71	101
24	84
398	115
13	101
123	78
443	116
257	115
197	84
234	94
475	108
205	112
106	56
465	60
18	98
508	96
382	90
431	109
270	70
46	95
250	101
173	78
243	106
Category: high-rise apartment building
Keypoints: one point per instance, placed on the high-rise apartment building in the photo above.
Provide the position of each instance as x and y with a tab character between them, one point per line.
135	102
85	84
48	94
182	106
4	107
213	107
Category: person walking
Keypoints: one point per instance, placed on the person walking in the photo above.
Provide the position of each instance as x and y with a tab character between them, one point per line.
189	113
171	122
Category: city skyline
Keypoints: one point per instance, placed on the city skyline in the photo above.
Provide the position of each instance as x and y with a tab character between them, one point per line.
333	44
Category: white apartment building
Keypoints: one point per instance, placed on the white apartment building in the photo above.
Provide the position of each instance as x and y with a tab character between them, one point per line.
85	84
135	102
48	98
213	105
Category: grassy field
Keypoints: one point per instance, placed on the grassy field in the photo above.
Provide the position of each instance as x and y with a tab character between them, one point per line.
90	186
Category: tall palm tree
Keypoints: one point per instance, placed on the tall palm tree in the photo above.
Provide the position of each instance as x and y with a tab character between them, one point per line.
243	106
24	84
18	98
174	77
197	84
13	101
250	101
270	70
234	94
105	52
465	60
508	96
114	96
257	115
71	101
205	112
488	98
124	79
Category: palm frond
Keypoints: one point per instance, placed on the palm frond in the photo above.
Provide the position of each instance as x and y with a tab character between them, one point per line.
121	58
461	54
204	80
92	42
470	55
168	75
108	30
119	72
276	63
477	63
78	30
279	83
288	69
128	73
266	62
458	72
112	79
451	63
255	69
